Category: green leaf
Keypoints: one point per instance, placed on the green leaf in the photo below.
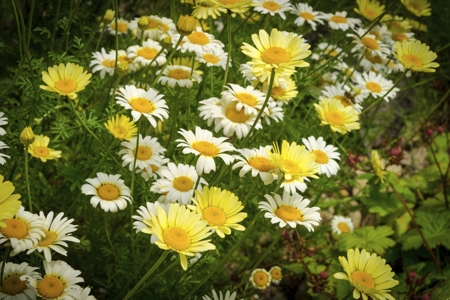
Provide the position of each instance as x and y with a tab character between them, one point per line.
369	238
401	224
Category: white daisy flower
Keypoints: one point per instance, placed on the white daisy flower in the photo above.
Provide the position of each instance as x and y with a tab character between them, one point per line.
57	231
179	182
3	146
330	50
232	121
366	42
340	21
290	210
247	73
152	171
272	7
257	161
214	58
108	190
273	112
3	121
208	108
371	62
203	144
153	31
167	27
326	155
148	54
179	75
22	232
276	274
143	219
293	185
12	286
306	13
248	98
122	56
219	296
343	94
148	103
122	26
260	278
376	85
340	224
198	41
103	62
149	152
82	294
58	282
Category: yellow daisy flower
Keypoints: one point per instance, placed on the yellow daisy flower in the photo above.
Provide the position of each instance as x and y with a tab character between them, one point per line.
280	51
66	80
368	274
235	6
39	149
204	9
220	208
415	56
9	202
369	9
121	127
339	118
180	230
260	279
418	7
378	165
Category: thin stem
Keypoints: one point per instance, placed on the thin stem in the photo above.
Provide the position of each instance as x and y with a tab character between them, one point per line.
55	25
109	238
5	257
229	49
173	126
436	261
146	276
27	179
169	59
159	275
443	176
255	181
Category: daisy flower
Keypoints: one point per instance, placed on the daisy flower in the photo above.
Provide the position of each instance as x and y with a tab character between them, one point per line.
340	224
208	108
273	112
416	56
122	26
167	27
179	75
203	144
22	232
198	41
368	274
285	91
260	279
108	190
147	54
9	202
3	121
220	296
290	210
235	6
144	216
368	43
3	146
12	286
248	98
180	230
326	155
39	149
232	121
341	119
204	9
148	103
275	274
103	62
369	9
149	152
122	56
57	232
82	294
153	30
257	161
214	58
418	7
179	182
58	281
343	94
378	165
306	13
340	21
65	80
280	51
376	85
121	127
272	7
220	208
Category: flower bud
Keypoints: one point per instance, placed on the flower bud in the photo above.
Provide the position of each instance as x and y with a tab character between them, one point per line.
123	68
430	131
323	275
420	281
426	297
186	24
27	136
440	129
143	23
109	16
166	42
411	278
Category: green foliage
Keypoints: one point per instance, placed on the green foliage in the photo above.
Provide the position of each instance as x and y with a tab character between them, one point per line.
368	237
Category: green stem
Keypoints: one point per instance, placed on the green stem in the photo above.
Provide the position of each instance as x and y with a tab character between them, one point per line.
109	238
255	181
27	179
443	175
160	274
5	258
55	25
229	49
146	276
173	126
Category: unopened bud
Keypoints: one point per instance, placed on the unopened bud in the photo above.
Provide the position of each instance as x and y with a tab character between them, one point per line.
27	136
143	23
440	129
426	297
411	278
166	42
109	16
323	275
123	68
186	24
430	131
420	281
317	289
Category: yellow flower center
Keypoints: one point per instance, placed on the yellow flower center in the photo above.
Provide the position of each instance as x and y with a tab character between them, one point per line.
371	14
142	105
120	132
277	91
121	27
334	118
261	164
108	192
214	216
211	58
413	60
50	287
236	116
321	157
373	86
205	148
123	58
364	279
289	213
399	37
48	240
271	5
373	59
339	19
143	153
15	228
343	227
154	168
147	53
66	86
344	100
176	238
179	74
307	16
275	56
290	167
13	285
246	98
41	151
183	183
152	23
276	274
370	43
198	38
109	63
261	279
